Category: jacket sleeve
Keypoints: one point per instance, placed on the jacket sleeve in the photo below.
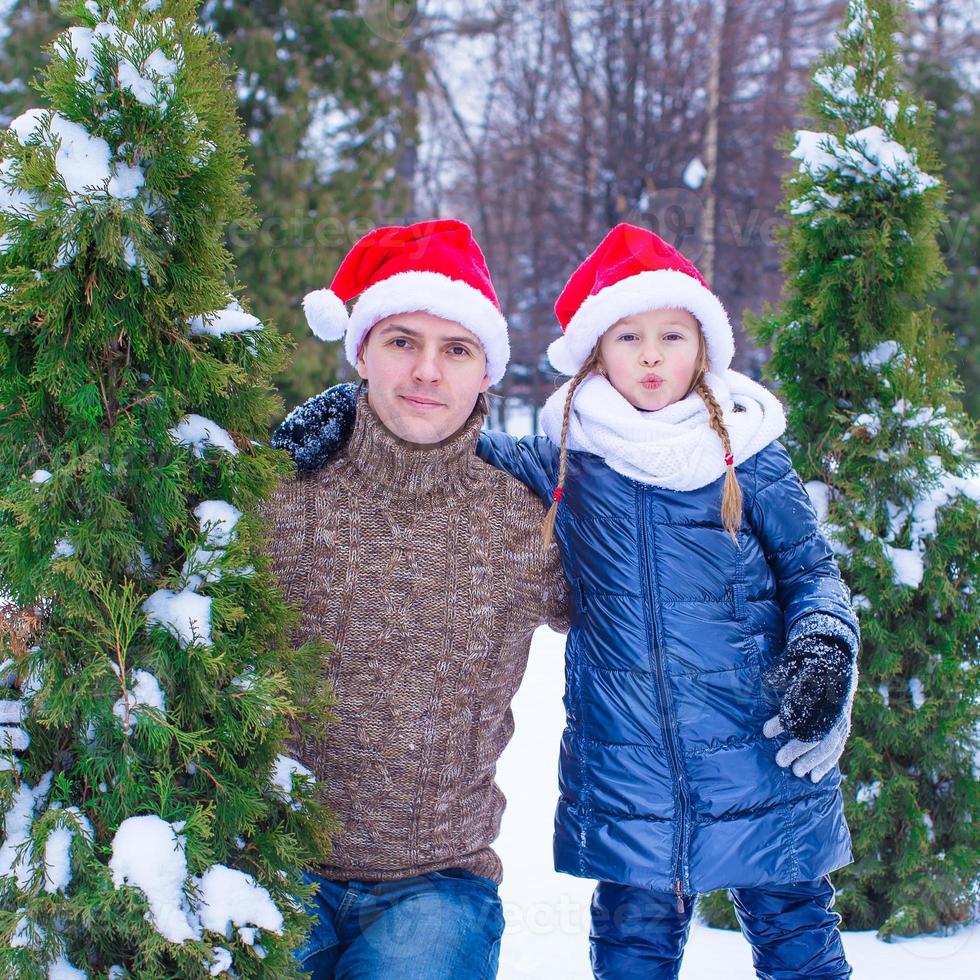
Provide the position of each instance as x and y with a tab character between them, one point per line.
533	460
813	596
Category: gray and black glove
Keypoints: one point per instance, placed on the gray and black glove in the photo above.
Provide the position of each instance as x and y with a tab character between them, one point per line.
815	677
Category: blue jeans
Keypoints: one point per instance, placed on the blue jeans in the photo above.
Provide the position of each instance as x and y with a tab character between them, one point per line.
444	925
791	928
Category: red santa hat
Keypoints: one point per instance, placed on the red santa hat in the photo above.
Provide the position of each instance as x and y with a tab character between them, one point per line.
432	266
632	271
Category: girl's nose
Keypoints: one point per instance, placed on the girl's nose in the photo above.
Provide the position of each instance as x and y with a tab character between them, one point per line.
650	356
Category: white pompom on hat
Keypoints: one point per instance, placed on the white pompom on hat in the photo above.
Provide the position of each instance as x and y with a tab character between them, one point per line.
433	267
633	271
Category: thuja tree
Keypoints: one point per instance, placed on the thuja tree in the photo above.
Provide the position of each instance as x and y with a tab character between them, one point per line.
957	134
324	92
153	824
876	431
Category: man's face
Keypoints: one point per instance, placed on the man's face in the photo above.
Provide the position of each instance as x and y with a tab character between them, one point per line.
424	375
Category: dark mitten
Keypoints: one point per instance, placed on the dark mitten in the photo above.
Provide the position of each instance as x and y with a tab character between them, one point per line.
813	675
319	428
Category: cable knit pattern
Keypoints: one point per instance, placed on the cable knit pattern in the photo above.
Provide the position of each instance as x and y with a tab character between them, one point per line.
422	566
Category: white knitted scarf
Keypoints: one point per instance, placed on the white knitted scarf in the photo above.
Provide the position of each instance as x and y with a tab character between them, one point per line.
673	447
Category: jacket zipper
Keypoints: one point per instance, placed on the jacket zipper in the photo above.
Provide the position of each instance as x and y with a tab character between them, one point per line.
665	725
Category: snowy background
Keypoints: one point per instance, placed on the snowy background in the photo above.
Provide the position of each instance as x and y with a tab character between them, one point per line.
547	913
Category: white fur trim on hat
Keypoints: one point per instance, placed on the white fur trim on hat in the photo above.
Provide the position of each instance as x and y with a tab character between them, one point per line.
561	357
326	314
654	290
432	292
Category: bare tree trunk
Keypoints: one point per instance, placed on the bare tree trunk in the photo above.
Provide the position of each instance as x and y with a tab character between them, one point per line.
939	30
720	14
407	162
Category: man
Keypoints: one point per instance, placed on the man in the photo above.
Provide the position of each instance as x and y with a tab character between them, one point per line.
423	566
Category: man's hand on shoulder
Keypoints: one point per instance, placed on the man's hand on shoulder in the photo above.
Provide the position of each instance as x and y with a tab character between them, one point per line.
318	429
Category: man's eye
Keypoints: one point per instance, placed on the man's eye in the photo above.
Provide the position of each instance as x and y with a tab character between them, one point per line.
400	342
459	351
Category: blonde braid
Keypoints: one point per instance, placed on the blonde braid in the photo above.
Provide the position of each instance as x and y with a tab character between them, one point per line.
591	364
731	496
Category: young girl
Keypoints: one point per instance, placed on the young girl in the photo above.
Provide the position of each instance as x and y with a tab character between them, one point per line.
711	661
712	643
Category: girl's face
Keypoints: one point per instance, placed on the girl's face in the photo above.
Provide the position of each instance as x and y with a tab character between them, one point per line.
650	358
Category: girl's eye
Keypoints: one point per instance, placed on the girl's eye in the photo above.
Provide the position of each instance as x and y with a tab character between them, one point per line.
628	336
674	336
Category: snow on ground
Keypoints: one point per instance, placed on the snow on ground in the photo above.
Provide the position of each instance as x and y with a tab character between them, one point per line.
547	914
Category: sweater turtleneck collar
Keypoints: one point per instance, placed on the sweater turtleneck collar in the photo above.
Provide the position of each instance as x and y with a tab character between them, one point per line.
399	469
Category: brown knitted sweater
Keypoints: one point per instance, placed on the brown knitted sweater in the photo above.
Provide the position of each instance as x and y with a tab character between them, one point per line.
422	566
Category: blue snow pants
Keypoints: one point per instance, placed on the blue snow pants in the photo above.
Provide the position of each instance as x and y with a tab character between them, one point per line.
792	929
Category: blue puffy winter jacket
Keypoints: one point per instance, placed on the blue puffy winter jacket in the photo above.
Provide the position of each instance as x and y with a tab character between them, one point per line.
666	779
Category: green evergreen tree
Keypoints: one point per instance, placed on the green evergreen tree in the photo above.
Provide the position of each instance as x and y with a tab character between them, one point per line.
327	96
30	27
153	827
320	92
957	299
877	433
